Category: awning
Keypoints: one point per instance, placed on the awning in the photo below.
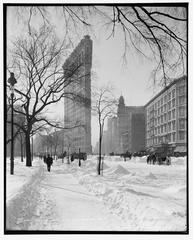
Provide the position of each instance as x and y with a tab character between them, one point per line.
180	149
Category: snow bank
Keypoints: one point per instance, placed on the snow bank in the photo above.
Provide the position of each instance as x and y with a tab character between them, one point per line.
146	197
179	161
21	189
22	176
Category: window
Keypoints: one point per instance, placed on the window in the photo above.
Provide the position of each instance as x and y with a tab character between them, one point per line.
169	115
174	137
165	117
181	135
181	124
162	101
181	90
169	137
169	105
181	100
169	126
165	108
173	102
162	109
169	96
165	98
181	111
173	125
162	119
158	130
173	93
173	113
165	128
161	128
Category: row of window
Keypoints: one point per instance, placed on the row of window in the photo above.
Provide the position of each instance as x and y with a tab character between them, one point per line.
170	137
170	105
170	97
171	126
166	117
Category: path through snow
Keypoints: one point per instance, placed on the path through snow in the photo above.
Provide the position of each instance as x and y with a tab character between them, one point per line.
56	201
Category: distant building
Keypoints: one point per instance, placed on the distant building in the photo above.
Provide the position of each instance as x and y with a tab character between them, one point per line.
131	127
112	135
77	113
166	117
126	131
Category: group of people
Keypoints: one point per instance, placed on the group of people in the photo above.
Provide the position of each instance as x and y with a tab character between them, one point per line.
154	158
49	161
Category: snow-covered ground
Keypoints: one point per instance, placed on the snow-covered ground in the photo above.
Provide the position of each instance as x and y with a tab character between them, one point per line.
129	196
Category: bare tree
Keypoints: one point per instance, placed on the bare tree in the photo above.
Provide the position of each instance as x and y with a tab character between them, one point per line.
159	33
104	106
42	81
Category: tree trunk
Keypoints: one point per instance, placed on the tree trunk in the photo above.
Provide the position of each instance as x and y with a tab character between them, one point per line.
21	142
24	149
100	144
28	150
79	163
68	155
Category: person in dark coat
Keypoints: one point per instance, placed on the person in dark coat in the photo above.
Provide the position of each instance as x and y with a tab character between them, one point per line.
49	162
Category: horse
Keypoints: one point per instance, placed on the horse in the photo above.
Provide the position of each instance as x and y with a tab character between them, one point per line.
126	155
151	158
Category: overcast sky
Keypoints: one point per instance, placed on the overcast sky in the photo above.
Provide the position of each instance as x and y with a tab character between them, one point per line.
131	79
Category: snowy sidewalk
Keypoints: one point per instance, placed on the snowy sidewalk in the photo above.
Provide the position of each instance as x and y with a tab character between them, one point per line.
56	201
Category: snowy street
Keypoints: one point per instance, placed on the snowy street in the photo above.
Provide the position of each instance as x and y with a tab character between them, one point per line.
56	201
129	196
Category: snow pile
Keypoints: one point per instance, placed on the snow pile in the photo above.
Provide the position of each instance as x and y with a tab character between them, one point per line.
179	161
151	176
146	197
21	189
120	170
22	176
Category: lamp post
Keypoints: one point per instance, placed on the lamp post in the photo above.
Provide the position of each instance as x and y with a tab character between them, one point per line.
12	81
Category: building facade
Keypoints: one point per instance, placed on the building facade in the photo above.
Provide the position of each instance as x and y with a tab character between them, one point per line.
112	135
131	127
78	111
166	117
126	131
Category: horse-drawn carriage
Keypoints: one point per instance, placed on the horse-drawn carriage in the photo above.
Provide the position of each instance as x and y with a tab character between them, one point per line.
126	155
80	156
161	155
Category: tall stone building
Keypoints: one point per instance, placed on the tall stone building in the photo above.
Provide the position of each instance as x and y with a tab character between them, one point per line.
166	117
77	112
112	135
126	131
131	127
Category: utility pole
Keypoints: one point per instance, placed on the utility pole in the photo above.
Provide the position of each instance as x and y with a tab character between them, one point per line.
12	81
79	163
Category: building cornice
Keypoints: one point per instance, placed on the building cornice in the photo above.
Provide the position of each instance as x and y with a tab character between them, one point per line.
166	88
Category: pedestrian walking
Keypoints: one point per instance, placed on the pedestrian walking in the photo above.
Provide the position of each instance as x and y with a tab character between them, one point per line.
49	162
